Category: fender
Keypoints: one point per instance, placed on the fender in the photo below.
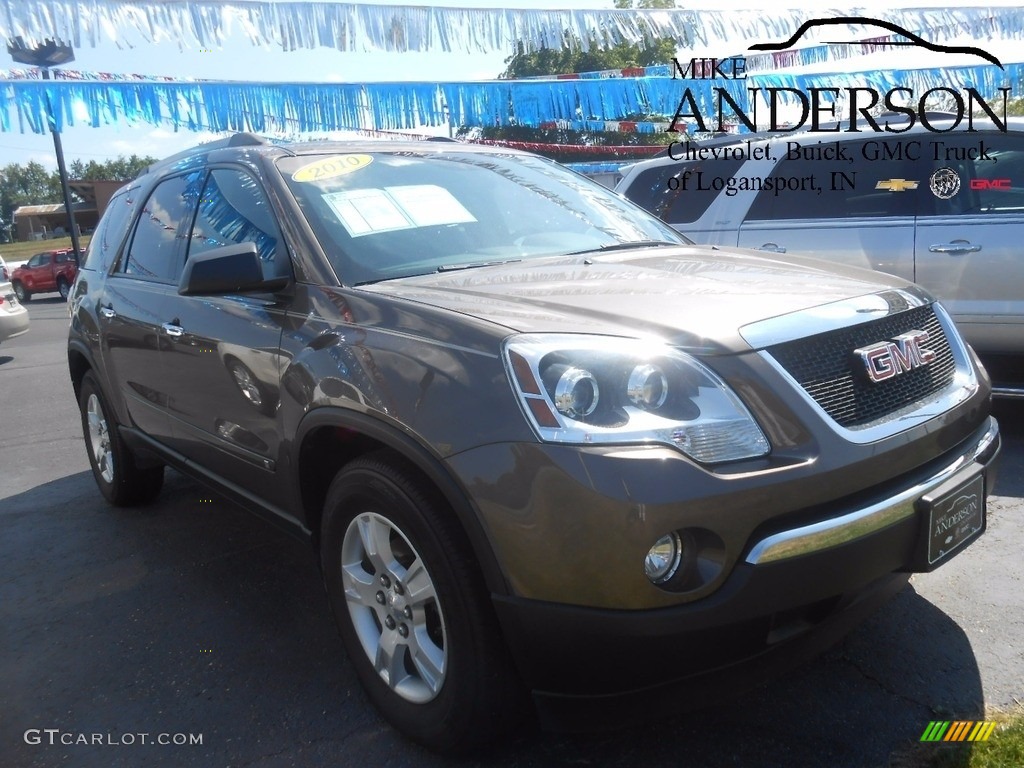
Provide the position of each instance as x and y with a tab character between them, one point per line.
423	459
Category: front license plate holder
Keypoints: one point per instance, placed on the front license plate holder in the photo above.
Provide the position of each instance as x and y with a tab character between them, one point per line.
952	516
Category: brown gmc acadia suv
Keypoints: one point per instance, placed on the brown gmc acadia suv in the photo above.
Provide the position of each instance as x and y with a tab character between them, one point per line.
540	441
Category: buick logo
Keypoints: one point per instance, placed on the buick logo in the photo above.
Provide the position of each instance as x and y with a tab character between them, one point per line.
944	183
888	359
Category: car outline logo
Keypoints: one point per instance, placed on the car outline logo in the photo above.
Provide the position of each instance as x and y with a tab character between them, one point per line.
896	185
912	39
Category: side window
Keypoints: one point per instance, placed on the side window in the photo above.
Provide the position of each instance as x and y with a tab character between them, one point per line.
64	258
38	260
154	252
692	195
991	171
110	231
866	179
233	209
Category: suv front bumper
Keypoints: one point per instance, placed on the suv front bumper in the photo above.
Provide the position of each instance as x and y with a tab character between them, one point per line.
824	575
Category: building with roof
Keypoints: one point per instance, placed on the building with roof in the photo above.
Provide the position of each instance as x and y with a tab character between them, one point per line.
41	222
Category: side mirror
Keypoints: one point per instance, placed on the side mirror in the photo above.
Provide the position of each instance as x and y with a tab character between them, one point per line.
228	269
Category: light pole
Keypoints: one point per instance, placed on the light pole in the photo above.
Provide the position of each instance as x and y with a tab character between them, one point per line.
48	54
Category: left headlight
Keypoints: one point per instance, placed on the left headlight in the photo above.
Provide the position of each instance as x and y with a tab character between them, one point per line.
600	389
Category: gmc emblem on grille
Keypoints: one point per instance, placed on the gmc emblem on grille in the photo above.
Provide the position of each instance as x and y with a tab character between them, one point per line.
888	359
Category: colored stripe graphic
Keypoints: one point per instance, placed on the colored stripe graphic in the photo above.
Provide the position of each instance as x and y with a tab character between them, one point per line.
935	731
984	732
958	730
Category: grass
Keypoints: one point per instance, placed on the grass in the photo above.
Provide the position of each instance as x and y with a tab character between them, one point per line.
1005	749
24	251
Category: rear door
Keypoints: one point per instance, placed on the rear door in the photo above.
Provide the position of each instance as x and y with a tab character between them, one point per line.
133	305
970	246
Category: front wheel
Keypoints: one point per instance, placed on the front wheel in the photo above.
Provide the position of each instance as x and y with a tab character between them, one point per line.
114	467
21	292
412	609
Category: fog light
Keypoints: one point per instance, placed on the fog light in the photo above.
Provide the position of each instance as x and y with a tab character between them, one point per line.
663	559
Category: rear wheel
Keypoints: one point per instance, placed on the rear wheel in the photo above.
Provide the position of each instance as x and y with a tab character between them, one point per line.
114	467
64	288
21	292
412	609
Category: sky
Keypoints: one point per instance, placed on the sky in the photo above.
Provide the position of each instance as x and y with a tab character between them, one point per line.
237	59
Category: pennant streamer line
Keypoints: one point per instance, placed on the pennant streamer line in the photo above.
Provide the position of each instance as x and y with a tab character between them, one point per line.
353	26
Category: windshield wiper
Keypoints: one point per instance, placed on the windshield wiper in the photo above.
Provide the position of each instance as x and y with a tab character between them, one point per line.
474	265
626	246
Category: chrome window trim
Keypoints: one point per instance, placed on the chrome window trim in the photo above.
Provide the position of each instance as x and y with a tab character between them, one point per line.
962	387
833	316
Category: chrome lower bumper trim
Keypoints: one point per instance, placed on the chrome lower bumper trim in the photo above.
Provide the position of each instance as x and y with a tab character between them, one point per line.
841	530
1008	392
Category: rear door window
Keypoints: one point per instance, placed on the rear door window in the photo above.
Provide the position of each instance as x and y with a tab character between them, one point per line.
865	179
672	192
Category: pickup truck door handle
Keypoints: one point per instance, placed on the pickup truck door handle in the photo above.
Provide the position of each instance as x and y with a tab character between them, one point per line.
172	330
957	246
108	312
772	248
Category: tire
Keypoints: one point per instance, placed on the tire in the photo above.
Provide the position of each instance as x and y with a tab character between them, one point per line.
412	609
114	467
63	288
21	292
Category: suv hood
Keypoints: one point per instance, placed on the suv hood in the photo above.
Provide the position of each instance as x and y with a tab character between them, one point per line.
693	297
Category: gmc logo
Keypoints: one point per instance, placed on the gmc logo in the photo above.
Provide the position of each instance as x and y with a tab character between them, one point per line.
990	184
888	359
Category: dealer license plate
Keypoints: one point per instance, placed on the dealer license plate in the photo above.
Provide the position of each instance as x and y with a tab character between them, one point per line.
955	517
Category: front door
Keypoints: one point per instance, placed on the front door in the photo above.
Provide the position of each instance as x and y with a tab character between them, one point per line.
223	357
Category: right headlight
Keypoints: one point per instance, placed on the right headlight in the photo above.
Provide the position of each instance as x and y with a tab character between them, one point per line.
599	389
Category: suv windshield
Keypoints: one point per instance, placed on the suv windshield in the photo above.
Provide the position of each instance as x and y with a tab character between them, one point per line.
387	214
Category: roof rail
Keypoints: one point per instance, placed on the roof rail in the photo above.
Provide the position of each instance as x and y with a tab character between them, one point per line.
235	140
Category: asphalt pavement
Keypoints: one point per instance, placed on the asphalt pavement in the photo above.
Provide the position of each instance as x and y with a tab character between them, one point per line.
193	623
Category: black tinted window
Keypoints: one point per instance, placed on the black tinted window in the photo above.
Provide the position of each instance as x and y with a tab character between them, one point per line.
675	193
872	178
110	231
154	252
233	209
991	172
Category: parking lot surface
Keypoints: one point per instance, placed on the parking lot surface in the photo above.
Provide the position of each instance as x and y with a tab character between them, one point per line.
122	629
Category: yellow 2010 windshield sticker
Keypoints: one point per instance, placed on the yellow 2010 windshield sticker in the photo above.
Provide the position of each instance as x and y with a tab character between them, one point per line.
331	167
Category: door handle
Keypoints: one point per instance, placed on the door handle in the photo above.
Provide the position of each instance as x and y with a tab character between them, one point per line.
108	312
174	331
957	246
772	248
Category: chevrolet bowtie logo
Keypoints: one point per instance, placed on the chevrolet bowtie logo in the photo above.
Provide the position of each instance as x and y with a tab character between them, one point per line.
896	185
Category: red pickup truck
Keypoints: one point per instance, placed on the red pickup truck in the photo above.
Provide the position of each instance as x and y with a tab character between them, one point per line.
45	272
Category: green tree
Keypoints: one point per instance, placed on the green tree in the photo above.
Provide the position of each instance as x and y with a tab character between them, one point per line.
32	184
571	58
121	169
29	184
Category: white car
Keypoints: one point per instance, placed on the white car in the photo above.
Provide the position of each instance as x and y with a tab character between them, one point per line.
13	316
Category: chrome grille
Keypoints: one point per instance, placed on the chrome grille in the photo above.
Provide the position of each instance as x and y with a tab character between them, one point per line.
827	368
